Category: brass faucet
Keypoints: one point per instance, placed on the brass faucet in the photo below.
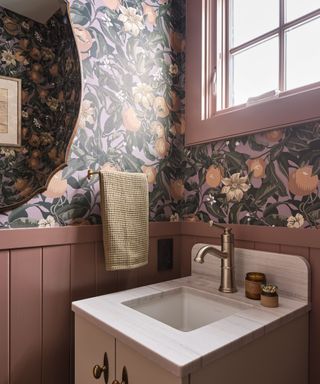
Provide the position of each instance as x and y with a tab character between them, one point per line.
226	255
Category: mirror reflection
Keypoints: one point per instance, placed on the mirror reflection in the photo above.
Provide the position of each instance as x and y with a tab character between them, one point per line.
37	47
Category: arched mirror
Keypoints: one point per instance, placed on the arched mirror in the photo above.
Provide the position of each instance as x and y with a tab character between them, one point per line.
40	92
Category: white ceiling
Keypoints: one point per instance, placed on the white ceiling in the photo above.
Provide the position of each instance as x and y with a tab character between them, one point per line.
38	10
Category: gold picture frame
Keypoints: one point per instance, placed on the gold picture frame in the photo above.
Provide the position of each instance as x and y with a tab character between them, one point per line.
10	111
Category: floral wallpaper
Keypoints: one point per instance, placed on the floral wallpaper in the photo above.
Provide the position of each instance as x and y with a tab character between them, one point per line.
268	179
132	119
45	59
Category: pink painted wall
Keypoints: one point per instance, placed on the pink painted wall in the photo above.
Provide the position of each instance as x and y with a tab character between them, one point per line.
41	272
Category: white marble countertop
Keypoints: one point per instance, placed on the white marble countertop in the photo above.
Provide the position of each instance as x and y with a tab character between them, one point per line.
179	352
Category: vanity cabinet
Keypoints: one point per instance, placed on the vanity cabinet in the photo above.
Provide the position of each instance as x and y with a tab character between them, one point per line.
251	344
270	358
91	345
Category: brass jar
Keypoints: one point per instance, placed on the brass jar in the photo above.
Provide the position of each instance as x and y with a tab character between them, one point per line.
253	283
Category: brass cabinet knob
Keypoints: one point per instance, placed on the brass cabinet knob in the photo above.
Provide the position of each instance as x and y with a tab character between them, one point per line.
98	370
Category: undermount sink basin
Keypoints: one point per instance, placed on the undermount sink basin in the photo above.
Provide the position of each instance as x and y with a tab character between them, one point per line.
186	308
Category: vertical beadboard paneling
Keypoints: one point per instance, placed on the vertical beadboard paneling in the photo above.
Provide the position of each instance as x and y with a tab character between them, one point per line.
4	317
56	315
26	316
83	283
106	282
187	242
88	278
315	317
83	271
127	279
148	273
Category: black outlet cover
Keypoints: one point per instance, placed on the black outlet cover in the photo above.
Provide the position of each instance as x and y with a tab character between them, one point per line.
165	254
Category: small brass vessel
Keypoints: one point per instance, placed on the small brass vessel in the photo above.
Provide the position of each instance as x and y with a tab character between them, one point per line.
253	283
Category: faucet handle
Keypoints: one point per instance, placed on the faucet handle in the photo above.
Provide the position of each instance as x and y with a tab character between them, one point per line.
227	230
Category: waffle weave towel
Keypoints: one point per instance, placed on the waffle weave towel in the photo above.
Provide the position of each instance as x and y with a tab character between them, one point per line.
125	219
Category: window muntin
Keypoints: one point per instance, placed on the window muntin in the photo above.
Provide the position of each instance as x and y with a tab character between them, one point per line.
242	65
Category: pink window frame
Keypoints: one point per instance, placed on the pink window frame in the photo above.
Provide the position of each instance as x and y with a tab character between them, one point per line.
203	123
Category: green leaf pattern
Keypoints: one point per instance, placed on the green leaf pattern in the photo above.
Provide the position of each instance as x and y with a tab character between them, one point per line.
132	119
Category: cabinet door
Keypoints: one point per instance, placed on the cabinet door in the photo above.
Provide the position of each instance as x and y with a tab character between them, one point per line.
91	343
141	370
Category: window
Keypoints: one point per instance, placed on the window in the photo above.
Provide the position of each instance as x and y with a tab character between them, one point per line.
269	48
250	66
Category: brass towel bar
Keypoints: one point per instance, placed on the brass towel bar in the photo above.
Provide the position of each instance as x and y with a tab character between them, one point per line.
91	173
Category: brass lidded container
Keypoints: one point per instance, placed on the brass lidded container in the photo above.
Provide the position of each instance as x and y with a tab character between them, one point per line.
269	296
253	283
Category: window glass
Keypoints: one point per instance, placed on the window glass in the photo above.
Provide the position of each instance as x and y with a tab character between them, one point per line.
303	55
252	18
297	8
254	71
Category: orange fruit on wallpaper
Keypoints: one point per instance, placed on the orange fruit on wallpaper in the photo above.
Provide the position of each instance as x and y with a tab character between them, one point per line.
302	182
162	147
177	189
130	120
257	166
274	135
214	176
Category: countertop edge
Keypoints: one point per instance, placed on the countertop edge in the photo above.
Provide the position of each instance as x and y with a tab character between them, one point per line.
197	362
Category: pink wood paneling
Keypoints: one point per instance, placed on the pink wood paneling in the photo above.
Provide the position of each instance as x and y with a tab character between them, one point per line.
73	268
41	237
148	274
127	279
187	242
4	317
315	317
244	244
56	315
194	88
26	316
83	271
106	282
286	236
267	247
298	251
82	281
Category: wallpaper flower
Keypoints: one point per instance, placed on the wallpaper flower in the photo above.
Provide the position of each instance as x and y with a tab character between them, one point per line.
132	119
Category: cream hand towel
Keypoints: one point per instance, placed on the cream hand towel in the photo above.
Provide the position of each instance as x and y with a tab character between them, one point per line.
125	219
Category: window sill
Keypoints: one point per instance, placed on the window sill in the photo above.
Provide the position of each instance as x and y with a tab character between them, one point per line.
284	110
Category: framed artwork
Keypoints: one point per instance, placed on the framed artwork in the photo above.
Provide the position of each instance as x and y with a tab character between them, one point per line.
10	111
